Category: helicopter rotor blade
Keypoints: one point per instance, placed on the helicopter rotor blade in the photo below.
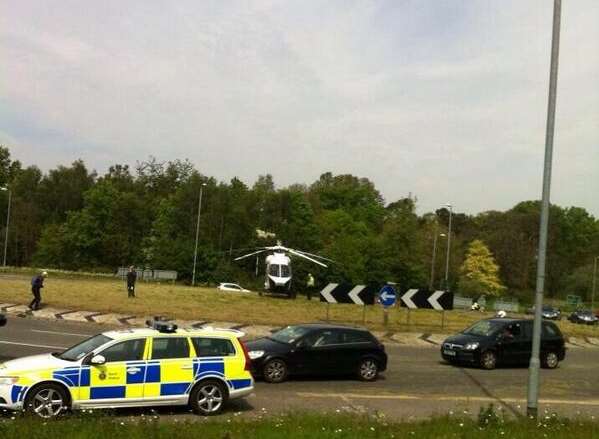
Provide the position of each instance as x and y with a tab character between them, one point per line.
301	255
314	256
250	254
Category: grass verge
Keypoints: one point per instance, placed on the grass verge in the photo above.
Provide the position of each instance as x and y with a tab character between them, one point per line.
189	303
298	426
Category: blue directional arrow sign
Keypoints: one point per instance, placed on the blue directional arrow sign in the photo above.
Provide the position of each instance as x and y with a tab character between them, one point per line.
387	296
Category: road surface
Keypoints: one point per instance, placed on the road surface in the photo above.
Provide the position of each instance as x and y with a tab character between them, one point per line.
417	383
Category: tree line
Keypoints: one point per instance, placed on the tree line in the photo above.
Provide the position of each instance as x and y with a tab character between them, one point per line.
74	218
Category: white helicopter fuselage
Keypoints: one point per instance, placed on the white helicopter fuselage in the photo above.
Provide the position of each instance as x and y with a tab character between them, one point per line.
278	271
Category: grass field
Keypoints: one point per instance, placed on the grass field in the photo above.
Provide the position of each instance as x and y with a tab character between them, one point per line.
304	426
189	303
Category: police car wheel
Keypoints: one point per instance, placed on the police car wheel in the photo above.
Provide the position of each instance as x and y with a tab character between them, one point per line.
275	371
208	398
368	370
47	401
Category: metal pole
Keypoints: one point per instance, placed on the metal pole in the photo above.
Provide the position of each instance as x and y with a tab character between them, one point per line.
7	224
195	252
533	370
430	284
448	250
594	283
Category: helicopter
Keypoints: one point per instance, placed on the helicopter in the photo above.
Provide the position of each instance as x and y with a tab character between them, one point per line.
278	273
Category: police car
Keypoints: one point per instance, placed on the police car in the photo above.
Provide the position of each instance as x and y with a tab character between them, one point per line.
156	366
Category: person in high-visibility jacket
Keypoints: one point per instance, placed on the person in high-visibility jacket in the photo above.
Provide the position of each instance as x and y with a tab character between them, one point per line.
310	285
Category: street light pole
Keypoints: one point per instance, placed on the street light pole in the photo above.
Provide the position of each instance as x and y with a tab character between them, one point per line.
448	248
532	407
7	222
594	283
434	259
195	252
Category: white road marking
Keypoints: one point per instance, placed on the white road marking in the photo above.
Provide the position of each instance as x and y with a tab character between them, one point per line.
588	402
31	345
61	333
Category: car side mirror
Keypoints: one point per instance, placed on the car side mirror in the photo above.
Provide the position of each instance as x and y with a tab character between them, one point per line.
97	360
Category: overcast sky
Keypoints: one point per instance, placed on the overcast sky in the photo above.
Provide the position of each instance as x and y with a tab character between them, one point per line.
443	99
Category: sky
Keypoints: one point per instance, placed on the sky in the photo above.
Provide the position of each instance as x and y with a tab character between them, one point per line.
442	99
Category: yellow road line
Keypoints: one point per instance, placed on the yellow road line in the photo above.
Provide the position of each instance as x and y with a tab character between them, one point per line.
584	402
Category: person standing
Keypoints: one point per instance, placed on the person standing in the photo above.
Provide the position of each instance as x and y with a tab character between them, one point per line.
131	278
37	283
310	285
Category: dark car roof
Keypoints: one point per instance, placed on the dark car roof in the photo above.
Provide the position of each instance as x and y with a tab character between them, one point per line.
329	326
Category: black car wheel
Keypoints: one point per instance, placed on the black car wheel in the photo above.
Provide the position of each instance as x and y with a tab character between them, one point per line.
488	360
368	369
275	371
550	360
208	398
47	401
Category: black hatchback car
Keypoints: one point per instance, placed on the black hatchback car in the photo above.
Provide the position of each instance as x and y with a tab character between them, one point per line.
2	320
504	341
317	349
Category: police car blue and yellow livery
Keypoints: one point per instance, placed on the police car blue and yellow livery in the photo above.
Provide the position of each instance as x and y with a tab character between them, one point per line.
161	365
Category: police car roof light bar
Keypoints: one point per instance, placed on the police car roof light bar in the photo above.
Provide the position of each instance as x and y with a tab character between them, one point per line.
161	324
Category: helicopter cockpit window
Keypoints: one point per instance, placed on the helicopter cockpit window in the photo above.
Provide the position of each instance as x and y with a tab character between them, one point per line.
285	271
273	270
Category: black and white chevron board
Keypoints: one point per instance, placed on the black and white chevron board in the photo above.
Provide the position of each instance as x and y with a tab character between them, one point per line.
347	293
423	298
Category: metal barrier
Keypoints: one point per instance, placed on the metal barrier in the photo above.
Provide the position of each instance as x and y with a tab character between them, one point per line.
149	275
462	302
505	305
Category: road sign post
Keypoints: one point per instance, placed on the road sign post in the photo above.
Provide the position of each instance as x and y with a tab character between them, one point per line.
387	298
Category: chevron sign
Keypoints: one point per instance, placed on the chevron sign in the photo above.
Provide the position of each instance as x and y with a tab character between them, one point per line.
439	300
347	293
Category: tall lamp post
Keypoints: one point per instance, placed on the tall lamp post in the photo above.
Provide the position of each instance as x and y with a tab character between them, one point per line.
535	363
594	283
434	260
7	222
449	206
195	252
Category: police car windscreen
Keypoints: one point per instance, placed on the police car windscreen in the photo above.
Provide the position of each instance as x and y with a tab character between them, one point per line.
80	350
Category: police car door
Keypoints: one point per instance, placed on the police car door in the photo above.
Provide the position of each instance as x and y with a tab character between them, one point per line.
172	355
120	379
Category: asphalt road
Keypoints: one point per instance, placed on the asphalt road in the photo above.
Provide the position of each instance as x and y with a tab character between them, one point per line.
416	384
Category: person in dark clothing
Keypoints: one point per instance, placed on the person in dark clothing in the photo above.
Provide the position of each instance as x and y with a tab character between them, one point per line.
37	283
131	278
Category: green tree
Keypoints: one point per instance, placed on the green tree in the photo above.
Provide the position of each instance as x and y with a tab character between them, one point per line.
62	190
479	272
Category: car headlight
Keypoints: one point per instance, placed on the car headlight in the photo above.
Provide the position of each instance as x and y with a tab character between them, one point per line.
7	381
471	346
255	354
